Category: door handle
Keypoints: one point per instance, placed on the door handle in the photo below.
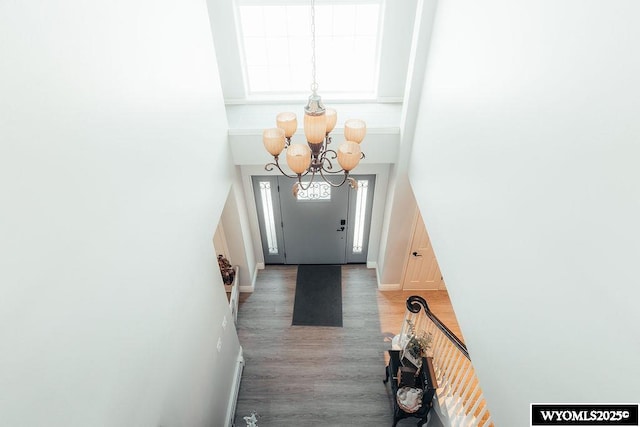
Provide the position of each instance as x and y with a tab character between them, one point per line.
416	254
340	229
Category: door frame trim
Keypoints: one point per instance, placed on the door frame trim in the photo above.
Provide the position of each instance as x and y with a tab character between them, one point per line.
382	198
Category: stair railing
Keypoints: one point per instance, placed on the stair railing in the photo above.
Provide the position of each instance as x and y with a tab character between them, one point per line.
459	394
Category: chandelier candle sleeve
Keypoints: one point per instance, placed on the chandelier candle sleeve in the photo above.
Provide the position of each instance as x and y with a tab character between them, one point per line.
299	158
355	130
274	140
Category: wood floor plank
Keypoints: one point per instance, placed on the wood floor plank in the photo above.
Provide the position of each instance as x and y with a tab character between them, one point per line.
321	376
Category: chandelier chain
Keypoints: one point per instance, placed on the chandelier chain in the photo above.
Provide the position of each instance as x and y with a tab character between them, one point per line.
314	85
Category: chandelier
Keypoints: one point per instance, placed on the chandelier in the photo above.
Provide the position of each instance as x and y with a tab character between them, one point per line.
315	158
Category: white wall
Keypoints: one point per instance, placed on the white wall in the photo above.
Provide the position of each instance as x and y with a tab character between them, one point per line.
238	231
220	240
525	165
113	171
400	211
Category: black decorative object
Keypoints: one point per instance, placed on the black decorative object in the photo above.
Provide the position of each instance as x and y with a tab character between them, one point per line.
424	381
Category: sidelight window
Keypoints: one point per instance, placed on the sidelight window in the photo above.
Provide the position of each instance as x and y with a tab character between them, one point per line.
269	217
361	211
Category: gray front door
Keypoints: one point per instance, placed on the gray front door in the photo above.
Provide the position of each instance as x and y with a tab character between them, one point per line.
314	222
323	225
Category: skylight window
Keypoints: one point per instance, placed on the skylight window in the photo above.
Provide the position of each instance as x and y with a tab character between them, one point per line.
276	47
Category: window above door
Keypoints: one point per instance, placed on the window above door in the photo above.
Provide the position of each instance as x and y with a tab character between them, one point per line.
263	49
275	45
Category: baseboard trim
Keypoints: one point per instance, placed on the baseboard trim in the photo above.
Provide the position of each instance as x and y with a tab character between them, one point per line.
389	286
382	286
235	389
378	277
252	287
260	266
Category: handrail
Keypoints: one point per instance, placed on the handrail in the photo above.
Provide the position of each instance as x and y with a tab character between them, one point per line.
415	302
459	395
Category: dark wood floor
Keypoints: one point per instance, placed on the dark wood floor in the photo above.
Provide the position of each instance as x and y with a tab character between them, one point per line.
321	376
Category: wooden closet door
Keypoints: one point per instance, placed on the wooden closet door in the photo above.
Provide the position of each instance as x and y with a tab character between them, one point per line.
422	270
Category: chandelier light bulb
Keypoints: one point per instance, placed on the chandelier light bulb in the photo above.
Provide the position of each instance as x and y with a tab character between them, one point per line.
299	158
274	140
355	130
349	155
288	122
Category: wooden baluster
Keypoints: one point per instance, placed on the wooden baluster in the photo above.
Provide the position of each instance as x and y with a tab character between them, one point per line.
489	421
476	395
475	407
459	386
449	353
473	381
459	371
440	356
454	356
481	415
438	343
445	361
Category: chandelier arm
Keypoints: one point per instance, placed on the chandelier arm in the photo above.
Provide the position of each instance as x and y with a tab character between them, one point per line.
329	164
353	183
332	152
326	170
346	176
328	160
302	187
269	167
